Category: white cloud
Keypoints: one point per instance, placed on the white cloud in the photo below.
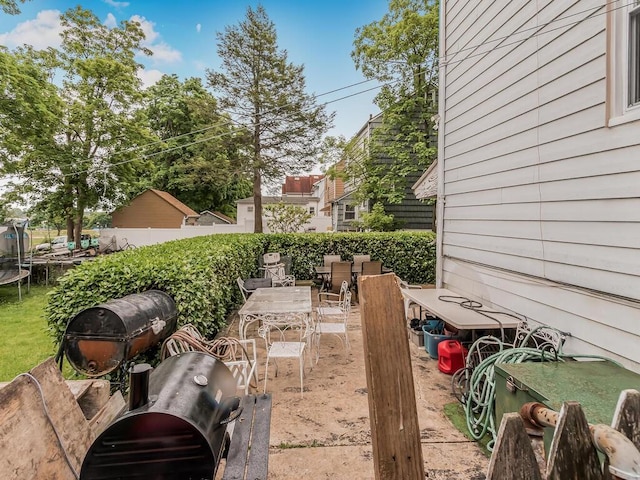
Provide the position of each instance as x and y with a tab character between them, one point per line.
110	21
149	77
198	27
41	32
162	51
200	65
115	4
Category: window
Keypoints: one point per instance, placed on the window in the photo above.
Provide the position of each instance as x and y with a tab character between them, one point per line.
623	55
349	212
250	209
312	210
634	54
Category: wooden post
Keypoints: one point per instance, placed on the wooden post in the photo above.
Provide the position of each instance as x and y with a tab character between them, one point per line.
626	420
572	454
513	458
395	432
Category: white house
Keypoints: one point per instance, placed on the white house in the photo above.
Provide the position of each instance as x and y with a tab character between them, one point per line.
539	165
303	191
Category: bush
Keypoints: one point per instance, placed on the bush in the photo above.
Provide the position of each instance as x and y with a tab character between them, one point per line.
199	273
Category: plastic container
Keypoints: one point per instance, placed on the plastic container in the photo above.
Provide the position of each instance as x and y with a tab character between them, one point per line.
432	340
451	356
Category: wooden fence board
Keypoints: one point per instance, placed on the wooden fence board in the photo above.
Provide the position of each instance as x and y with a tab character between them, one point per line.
572	454
513	457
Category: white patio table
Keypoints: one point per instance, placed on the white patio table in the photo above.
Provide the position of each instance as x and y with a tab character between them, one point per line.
275	301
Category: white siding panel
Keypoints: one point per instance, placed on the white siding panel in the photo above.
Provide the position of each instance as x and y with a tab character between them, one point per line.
596	257
501	211
526	265
517	142
520	176
513	229
599	163
482	120
582	99
511	161
625	235
617	210
521	194
508	246
591	140
620	185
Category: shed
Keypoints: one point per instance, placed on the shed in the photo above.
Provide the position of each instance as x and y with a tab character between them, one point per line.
208	218
154	209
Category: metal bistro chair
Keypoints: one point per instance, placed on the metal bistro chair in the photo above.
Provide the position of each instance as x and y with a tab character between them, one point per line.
408	304
239	356
286	337
333	314
274	268
340	272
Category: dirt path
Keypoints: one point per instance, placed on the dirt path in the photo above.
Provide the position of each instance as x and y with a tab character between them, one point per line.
326	434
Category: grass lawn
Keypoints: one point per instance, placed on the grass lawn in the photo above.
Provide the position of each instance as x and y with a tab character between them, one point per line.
24	341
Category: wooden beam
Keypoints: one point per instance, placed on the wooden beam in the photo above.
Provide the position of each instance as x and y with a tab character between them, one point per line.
627	421
32	409
395	432
109	411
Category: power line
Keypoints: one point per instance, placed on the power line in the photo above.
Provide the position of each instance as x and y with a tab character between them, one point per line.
443	61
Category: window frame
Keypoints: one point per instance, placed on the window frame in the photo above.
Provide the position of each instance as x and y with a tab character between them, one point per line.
620	108
633	56
351	211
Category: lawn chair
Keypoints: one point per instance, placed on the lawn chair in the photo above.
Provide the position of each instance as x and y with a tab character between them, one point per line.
372	268
340	272
333	314
286	337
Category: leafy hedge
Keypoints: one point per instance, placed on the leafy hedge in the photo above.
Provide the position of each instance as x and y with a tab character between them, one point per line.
200	273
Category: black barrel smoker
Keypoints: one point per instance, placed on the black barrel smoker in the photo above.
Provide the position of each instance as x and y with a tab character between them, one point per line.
175	427
99	339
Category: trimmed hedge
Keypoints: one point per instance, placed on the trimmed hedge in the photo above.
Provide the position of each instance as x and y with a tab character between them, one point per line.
200	273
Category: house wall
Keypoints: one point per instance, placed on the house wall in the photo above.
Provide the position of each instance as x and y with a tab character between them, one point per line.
540	198
147	210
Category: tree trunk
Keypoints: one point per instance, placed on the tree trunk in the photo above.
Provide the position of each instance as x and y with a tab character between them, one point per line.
257	200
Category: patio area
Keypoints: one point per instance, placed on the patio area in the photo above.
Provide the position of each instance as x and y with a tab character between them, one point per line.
326	434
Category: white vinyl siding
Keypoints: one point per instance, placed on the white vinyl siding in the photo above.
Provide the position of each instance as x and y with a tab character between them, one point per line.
535	182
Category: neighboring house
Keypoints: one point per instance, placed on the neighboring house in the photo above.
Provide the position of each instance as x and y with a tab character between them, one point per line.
411	213
301	191
214	218
539	165
153	209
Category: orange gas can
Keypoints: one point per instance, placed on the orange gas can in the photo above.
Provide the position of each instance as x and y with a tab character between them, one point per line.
451	356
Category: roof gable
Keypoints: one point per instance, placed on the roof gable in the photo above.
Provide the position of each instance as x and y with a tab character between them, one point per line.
174	202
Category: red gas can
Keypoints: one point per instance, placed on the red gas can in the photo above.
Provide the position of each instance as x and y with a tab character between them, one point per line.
451	356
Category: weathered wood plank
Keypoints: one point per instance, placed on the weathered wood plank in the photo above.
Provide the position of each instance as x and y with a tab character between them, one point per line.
30	448
248	454
101	420
572	454
392	408
513	458
94	397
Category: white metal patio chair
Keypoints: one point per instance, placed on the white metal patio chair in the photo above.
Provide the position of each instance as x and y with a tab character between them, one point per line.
407	302
240	356
275	269
286	337
333	316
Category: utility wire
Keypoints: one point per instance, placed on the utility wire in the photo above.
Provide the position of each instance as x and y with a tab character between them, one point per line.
441	60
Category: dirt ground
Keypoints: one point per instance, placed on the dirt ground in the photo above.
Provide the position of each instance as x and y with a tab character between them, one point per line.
326	434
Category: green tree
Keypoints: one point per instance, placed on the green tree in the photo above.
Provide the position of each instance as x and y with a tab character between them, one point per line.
79	151
204	169
401	51
286	218
267	94
377	220
10	7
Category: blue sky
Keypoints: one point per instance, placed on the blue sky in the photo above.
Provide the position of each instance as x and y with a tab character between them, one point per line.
182	36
